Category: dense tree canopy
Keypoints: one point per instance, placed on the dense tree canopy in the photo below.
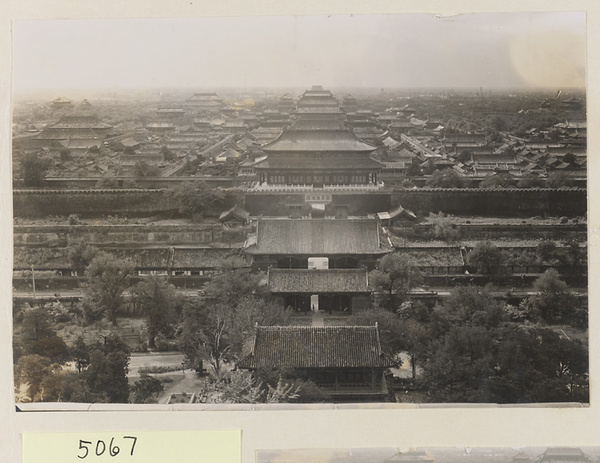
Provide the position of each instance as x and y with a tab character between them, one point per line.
217	332
194	200
143	169
477	356
81	255
34	168
553	301
157	301
447	178
495	181
390	328
486	258
106	374
395	275
444	228
557	179
530	181
105	280
146	389
217	328
37	337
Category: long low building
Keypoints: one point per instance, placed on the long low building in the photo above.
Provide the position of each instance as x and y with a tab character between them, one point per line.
289	243
345	362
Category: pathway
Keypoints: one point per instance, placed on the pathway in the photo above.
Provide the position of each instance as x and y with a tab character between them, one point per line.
318	319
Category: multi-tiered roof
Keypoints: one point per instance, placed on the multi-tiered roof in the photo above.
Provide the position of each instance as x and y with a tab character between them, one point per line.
318	148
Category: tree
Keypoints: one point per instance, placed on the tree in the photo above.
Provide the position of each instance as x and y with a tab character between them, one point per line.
32	370
167	154
465	155
547	251
237	386
157	300
494	182
428	167
234	283
486	258
414	169
37	337
539	365
553	300
414	339
447	178
530	181
34	168
395	275
574	256
217	331
106	374
81	255
443	228
296	381
217	328
194	200
146	389
473	305
554	135
70	386
241	386
105	280
498	123
569	158
558	179
142	169
282	392
65	155
391	328
459	365
80	353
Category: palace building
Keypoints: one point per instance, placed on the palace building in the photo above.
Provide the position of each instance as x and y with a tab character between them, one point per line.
77	131
318	150
345	362
318	264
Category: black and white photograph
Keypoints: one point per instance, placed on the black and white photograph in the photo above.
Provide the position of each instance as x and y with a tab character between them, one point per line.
433	455
314	209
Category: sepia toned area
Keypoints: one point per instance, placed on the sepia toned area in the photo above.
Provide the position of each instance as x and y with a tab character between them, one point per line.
364	241
433	455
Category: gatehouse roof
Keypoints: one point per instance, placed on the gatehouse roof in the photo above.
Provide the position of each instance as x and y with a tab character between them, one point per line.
315	347
316	237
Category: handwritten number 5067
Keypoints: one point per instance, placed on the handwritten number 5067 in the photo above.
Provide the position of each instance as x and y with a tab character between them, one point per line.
113	450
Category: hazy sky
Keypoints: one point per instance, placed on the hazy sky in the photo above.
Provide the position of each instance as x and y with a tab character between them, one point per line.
489	50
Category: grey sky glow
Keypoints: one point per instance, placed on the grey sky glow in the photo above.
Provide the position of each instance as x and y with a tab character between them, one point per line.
490	50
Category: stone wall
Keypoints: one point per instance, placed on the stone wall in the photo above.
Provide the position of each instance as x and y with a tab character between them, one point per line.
65	235
279	203
569	202
135	203
89	203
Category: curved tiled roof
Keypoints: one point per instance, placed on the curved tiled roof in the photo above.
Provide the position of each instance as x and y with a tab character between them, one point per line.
326	163
315	347
322	140
318	281
316	237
